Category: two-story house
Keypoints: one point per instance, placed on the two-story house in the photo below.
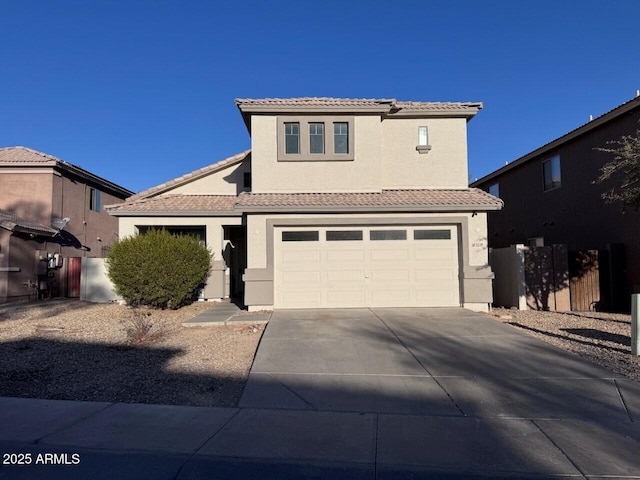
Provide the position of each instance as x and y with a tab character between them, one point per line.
551	197
339	203
50	207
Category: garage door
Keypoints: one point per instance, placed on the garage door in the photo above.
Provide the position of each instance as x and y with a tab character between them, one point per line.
324	267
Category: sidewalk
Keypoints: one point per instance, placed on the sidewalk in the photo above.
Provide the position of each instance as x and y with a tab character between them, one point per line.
166	442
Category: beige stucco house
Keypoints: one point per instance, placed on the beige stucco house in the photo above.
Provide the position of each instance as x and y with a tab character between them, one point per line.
339	203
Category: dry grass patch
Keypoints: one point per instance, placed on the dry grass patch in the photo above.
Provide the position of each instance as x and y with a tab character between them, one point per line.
105	352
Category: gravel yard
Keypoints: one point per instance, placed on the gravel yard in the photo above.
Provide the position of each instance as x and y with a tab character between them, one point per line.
75	350
604	338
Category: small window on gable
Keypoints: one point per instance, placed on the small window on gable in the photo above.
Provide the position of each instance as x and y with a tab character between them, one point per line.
495	190
341	137
292	138
551	173
316	137
423	140
247	180
94	200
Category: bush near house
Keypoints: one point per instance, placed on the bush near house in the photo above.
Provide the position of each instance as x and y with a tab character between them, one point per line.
158	269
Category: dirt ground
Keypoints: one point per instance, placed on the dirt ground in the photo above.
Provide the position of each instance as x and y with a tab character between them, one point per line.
604	338
105	352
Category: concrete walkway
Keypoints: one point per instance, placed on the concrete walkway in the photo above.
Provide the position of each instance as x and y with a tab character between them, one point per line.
227	313
371	394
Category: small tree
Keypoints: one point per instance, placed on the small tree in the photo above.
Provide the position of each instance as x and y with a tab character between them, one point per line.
158	269
623	170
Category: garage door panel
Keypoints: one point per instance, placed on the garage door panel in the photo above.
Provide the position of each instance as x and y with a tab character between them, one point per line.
294	278
388	255
302	299
345	255
389	275
292	257
435	254
346	298
346	275
434	275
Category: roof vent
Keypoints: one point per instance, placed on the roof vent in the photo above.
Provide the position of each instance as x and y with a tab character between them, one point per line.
591	118
637	93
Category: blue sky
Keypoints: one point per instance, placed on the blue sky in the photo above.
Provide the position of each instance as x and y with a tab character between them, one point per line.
141	92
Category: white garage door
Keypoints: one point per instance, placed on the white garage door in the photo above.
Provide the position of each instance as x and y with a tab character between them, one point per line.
323	267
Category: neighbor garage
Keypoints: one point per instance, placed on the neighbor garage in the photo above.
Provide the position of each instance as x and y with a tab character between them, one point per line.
366	266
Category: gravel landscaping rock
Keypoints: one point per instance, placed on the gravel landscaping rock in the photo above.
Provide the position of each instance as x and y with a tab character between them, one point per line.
604	338
73	350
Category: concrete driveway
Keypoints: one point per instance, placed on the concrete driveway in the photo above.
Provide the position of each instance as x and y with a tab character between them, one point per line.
450	391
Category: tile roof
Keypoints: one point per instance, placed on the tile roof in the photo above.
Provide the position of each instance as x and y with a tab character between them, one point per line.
435	106
410	199
427	200
191	176
172	204
384	106
14	223
315	101
24	155
27	157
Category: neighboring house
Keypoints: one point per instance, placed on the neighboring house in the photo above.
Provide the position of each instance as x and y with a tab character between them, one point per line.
339	203
551	198
49	206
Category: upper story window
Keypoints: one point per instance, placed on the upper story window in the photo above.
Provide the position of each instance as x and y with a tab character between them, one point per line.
495	190
340	137
551	173
317	138
292	137
94	199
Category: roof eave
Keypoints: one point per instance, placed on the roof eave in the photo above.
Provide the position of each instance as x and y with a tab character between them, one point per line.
467	113
187	213
370	209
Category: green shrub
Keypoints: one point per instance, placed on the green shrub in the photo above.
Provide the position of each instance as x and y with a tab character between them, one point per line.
158	269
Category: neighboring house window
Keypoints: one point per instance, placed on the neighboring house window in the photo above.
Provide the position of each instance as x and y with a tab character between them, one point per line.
495	190
247	179
423	140
341	137
94	200
292	138
551	173
536	242
315	138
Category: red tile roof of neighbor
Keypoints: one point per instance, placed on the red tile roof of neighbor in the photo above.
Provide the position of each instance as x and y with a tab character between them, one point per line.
27	157
411	200
22	155
12	222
